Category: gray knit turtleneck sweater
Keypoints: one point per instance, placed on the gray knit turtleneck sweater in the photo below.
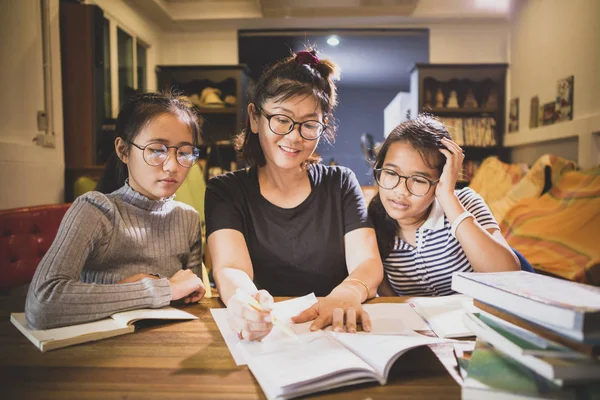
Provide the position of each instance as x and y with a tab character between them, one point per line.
102	239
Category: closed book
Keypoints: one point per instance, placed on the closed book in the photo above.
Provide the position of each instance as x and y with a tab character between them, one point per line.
529	342
556	302
562	336
492	375
558	369
117	324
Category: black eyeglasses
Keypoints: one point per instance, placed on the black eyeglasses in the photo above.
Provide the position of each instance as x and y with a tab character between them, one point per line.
281	124
156	154
417	185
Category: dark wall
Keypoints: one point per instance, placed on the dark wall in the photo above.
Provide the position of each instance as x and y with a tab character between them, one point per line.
359	110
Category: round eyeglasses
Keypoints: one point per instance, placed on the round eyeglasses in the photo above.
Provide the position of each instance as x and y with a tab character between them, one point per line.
281	124
417	185
156	154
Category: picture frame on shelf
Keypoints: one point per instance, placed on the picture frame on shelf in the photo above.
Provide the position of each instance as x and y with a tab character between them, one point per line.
534	113
513	116
564	99
548	113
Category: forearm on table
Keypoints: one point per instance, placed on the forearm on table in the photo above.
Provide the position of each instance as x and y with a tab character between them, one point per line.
66	302
368	274
229	279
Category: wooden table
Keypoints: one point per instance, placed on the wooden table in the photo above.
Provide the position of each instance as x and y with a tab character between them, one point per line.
183	360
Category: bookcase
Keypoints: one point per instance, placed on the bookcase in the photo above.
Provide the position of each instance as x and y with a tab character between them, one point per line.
224	111
82	31
470	100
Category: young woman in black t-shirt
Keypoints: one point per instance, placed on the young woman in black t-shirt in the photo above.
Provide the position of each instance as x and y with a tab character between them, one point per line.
288	226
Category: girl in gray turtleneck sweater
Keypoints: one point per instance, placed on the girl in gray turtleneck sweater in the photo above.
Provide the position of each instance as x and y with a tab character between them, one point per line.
128	245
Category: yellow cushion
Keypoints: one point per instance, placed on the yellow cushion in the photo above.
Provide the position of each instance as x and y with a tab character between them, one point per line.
532	183
192	190
82	185
495	178
558	232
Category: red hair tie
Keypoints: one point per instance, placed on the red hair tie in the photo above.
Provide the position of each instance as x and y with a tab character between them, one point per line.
306	57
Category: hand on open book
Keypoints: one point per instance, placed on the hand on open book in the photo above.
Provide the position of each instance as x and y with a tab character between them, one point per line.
248	322
341	304
186	284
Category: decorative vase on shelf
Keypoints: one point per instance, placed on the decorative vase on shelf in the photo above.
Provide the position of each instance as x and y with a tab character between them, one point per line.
428	99
470	101
452	100
492	100
439	99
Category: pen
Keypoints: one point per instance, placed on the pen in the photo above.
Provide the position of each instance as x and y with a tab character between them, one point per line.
252	302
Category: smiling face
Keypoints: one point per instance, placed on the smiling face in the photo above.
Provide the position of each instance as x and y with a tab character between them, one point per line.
291	150
157	182
398	202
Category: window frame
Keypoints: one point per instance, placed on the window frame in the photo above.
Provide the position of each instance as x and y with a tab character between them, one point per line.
114	26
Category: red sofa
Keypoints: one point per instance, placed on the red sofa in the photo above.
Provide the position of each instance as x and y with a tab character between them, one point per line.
25	236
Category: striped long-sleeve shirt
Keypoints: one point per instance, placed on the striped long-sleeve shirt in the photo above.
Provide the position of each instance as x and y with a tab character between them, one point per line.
102	239
426	269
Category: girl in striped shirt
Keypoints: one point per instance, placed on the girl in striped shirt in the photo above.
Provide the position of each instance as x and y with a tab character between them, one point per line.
425	229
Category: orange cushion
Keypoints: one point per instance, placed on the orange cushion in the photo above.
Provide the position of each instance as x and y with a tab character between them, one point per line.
532	184
558	232
495	178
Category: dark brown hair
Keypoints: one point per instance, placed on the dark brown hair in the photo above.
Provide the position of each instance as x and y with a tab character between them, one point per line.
285	79
134	116
425	135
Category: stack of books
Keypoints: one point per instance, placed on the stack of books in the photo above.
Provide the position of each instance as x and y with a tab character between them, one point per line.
537	337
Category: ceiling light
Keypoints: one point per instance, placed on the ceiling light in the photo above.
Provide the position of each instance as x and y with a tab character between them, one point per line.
333	41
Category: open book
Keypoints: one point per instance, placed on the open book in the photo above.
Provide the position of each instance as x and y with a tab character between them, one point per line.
118	324
386	319
444	314
325	360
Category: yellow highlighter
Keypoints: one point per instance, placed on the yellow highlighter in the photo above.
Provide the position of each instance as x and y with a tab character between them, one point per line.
252	302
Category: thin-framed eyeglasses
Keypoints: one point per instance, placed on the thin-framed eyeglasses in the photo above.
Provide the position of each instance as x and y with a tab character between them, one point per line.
156	154
281	124
417	185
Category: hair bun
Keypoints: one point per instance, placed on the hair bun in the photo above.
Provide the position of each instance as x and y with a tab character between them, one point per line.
306	57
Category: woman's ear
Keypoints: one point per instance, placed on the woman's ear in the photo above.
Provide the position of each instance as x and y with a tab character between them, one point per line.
253	116
121	149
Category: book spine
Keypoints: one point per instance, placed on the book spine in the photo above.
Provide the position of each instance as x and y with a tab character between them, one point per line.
560	337
558	316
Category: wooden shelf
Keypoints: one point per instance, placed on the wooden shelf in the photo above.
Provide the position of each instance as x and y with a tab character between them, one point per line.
217	110
223	121
461	111
482	148
481	80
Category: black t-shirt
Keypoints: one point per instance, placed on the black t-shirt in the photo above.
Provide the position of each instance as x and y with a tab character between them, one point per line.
294	251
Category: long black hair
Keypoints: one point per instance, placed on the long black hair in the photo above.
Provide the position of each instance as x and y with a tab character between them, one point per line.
133	117
425	135
299	74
